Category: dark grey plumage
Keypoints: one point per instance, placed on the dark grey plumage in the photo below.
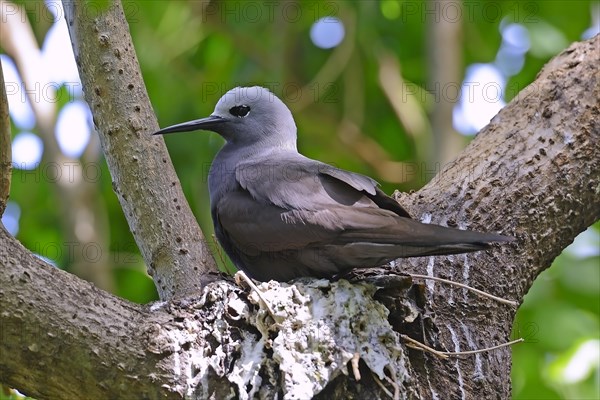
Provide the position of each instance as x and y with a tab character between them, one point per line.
280	215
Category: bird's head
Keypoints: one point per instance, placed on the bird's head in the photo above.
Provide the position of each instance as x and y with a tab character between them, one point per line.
246	116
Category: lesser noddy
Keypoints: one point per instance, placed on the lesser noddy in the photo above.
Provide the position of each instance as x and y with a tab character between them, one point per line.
280	215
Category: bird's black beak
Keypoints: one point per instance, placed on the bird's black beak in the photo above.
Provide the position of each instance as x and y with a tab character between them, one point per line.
208	123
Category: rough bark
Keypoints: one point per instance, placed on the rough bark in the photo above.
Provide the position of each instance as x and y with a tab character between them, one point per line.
63	338
77	195
532	173
144	180
5	143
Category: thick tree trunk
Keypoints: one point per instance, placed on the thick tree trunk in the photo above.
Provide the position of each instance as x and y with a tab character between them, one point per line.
532	173
144	180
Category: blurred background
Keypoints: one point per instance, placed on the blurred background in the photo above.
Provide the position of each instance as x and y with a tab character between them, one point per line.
392	89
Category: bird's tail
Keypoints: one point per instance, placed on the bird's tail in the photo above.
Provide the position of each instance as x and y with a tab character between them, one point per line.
410	238
432	240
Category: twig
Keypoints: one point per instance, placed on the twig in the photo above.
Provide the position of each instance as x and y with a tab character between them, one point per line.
354	362
393	382
381	385
463	353
480	292
445	354
241	276
219	252
415	344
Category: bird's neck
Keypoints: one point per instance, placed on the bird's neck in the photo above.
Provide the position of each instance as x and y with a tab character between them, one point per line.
221	177
241	152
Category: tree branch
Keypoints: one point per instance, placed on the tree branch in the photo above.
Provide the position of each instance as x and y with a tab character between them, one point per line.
533	173
76	195
5	146
540	152
144	180
60	333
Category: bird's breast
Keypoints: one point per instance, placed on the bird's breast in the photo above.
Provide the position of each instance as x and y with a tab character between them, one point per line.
221	180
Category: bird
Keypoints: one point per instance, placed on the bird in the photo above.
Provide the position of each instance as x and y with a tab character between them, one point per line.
280	215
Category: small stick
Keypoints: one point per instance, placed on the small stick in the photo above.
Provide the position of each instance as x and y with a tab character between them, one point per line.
218	249
445	354
393	382
480	292
462	353
415	344
354	362
241	276
381	385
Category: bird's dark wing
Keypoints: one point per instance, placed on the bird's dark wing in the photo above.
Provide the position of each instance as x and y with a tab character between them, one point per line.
295	182
291	217
303	202
270	242
302	223
252	224
368	187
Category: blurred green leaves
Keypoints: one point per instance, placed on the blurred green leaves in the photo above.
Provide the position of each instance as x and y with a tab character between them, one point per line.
559	320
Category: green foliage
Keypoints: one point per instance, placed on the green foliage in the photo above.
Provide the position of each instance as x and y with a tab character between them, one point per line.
192	52
559	316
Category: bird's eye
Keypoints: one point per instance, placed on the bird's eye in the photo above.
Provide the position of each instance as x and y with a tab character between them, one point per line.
239	111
